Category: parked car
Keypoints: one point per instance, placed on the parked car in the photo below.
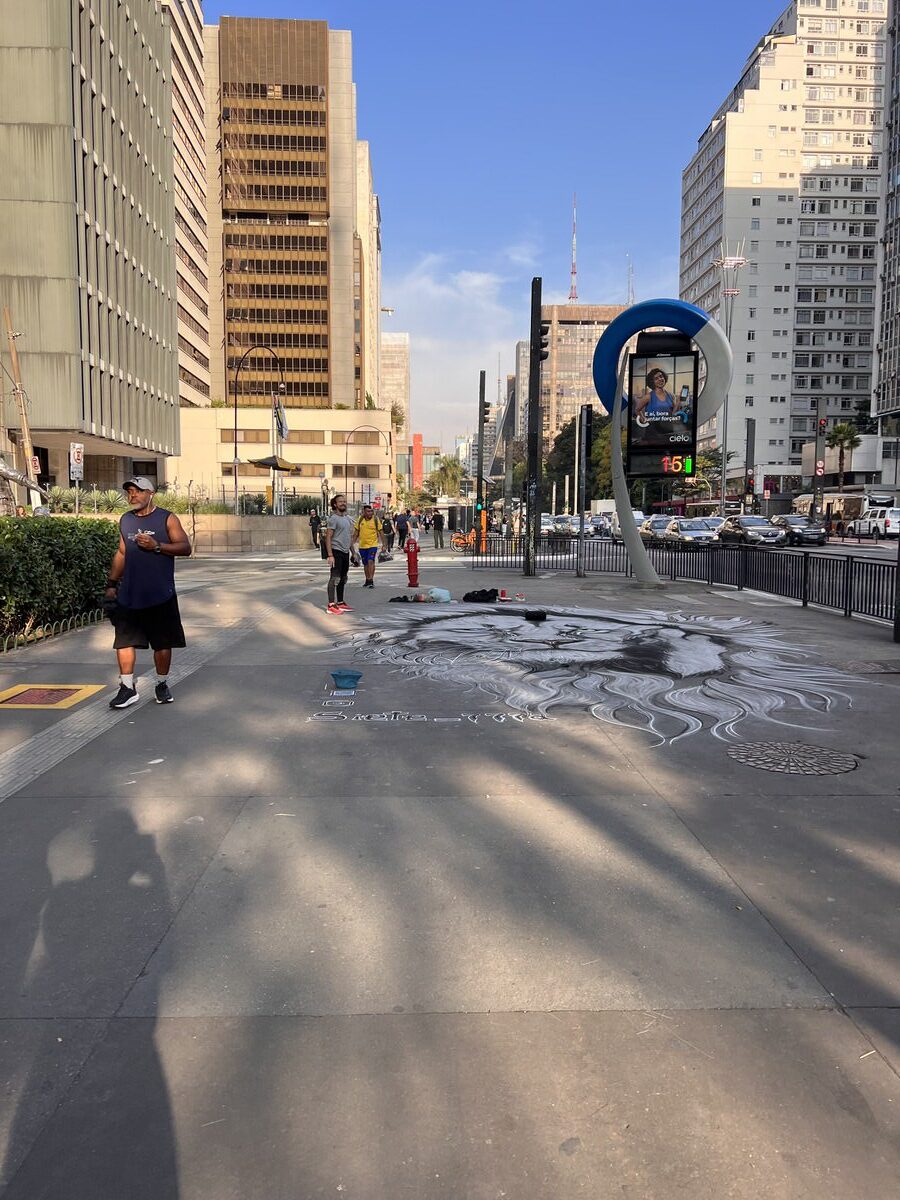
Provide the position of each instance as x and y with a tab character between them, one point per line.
688	531
563	526
599	526
799	531
750	531
652	530
713	523
876	523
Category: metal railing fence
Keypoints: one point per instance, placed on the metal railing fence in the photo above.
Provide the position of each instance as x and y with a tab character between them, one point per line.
850	585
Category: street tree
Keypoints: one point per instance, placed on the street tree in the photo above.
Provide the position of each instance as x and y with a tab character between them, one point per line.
447	476
844	437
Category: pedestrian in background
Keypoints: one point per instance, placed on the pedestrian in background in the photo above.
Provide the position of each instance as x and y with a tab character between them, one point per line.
315	524
367	533
402	523
437	524
388	532
140	590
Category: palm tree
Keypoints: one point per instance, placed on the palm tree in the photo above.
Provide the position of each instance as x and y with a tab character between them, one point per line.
446	478
845	437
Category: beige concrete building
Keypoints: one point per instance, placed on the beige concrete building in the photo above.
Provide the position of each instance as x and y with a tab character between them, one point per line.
395	379
367	277
788	175
346	450
566	374
87	257
189	179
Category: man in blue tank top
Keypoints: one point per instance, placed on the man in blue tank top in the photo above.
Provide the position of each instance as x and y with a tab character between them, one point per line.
141	589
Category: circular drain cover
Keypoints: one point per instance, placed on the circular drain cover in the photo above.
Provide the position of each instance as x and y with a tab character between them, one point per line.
792	758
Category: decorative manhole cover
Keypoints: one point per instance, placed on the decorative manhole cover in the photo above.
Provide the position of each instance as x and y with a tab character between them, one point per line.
793	758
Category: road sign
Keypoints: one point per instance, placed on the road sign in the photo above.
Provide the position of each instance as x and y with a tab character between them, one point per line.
767	495
35	464
820	466
76	460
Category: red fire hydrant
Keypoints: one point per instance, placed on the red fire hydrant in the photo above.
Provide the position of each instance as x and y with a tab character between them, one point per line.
412	561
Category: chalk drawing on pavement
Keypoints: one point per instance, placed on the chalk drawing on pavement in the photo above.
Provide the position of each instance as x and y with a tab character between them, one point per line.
670	673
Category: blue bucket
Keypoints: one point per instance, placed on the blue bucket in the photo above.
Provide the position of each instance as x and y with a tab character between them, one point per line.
346	679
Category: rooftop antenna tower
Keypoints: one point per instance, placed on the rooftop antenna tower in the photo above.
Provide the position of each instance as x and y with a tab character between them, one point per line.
573	288
630	281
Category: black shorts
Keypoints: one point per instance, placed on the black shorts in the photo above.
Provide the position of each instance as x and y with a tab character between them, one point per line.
158	626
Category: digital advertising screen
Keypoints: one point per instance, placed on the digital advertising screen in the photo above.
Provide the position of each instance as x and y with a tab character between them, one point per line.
662	417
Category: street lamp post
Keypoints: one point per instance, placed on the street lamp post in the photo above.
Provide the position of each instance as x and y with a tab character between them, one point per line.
237	374
729	265
374	429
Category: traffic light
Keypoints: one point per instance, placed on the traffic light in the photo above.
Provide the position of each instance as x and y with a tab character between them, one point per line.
544	343
751	484
479	506
822	426
485	414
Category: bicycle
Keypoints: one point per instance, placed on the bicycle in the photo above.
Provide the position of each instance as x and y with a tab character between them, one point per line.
462	543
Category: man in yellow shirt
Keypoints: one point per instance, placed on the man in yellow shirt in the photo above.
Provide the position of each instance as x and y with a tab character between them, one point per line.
367	536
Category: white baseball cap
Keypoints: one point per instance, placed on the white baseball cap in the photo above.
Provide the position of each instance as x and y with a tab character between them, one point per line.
141	482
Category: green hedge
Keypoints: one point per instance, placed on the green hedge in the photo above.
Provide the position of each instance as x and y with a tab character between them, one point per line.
51	569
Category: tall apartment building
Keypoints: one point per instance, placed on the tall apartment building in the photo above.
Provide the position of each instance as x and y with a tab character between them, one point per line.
189	179
87	261
788	174
566	374
887	389
282	172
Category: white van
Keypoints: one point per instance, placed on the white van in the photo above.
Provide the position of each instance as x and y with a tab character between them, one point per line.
876	523
616	529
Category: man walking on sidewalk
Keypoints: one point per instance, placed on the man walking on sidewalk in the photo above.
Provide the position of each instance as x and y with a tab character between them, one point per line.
338	531
140	590
437	518
402	524
367	534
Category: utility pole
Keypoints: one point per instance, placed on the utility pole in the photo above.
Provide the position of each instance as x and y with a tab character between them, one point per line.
480	516
818	503
730	266
585	432
537	353
19	391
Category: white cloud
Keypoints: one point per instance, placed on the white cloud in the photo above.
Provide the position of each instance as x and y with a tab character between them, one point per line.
458	320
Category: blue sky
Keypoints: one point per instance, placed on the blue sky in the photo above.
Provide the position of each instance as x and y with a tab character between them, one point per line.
483	119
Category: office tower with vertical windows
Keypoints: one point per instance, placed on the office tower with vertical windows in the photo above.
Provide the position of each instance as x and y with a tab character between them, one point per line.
189	180
523	350
282	171
787	176
87	260
566	375
394	376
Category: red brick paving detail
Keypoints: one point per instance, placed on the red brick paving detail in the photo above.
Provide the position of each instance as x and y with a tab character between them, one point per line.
39	695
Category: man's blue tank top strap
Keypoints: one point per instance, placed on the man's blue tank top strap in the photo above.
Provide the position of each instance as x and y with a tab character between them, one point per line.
149	578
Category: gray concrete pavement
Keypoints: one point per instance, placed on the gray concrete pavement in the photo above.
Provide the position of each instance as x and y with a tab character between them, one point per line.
466	945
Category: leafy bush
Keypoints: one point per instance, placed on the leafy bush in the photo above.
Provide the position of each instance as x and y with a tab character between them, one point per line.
52	569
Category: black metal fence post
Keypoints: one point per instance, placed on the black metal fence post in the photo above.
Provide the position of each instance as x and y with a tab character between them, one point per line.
743	582
804	585
849	564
